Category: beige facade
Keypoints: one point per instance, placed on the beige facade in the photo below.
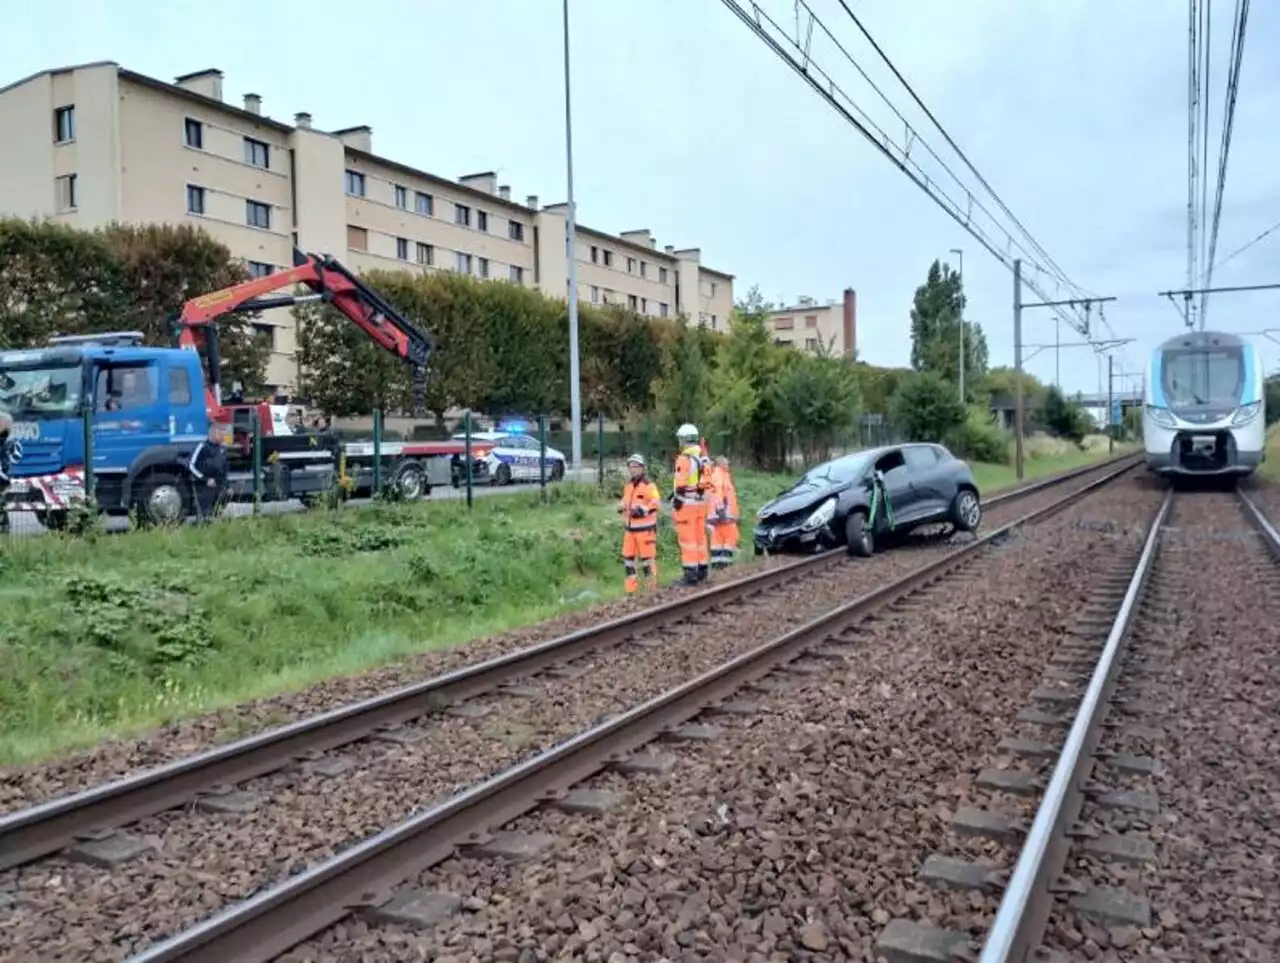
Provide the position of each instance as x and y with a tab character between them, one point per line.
93	144
813	327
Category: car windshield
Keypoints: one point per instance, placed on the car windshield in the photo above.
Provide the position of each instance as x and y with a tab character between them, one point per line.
40	391
1203	377
836	472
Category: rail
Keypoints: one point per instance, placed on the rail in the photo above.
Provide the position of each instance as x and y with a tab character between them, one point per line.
31	833
366	874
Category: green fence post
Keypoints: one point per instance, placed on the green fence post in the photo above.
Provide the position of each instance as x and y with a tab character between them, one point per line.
600	448
90	484
377	452
542	454
466	454
257	464
647	451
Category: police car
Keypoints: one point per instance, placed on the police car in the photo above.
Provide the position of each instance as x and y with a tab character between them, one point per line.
515	457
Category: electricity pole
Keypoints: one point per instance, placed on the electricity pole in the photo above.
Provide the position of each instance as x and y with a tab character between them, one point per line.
959	253
571	251
1017	366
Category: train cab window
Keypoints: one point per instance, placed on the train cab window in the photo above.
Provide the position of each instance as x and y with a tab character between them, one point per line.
123	387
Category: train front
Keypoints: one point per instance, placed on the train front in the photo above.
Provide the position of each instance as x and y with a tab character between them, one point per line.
1204	406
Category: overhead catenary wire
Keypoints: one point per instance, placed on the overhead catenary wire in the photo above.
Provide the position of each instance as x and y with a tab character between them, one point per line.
796	52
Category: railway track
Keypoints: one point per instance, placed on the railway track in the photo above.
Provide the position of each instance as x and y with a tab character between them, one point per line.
367	874
93	818
1084	757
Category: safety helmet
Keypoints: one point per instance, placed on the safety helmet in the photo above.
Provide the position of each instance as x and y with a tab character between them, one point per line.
636	460
687	432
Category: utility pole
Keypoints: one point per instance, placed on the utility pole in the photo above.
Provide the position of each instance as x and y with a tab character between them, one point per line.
960	253
571	251
1111	406
1057	353
1017	366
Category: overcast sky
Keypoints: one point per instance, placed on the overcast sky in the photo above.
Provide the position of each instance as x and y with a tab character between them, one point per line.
685	123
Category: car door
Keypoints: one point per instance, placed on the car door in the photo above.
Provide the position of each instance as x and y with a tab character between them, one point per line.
925	474
897	481
129	415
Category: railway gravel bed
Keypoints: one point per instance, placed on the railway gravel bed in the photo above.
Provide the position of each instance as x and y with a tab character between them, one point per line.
25	786
1207	883
199	860
797	832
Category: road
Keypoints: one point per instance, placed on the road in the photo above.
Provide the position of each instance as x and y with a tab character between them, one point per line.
25	524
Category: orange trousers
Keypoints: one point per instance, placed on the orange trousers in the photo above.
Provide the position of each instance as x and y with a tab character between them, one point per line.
691	532
640	550
724	542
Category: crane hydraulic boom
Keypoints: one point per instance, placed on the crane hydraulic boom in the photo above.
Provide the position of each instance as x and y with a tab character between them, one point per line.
330	282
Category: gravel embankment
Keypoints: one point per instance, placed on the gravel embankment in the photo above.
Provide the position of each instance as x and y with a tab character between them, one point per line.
1212	886
799	832
68	910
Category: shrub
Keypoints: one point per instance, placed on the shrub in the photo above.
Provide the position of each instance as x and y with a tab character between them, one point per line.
979	438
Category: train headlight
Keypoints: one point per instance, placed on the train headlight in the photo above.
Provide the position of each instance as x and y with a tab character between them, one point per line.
1246	413
1161	417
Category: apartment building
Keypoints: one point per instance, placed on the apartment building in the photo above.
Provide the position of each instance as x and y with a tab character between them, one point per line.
810	326
93	144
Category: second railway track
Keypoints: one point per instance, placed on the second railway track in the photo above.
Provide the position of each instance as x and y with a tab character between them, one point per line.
284	913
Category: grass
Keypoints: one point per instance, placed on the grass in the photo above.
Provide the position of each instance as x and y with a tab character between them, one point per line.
110	635
1270	469
1043	457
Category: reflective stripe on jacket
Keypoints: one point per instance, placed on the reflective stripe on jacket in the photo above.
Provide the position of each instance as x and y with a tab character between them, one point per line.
690	480
640	494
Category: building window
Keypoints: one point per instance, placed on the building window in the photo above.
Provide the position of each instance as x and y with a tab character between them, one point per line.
595	254
425	204
631	265
258	214
65	188
402	197
483	265
607	257
265	335
64	124
256	153
402	248
632	302
784	324
714	321
355	183
195	199
462	215
811	344
482	221
260	269
644	305
463	263
713	289
595	294
426	254
515	274
662	275
515	230
193	133
357	238
664	309
644	269
810	320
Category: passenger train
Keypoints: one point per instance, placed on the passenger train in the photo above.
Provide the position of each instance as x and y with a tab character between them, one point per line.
1203	406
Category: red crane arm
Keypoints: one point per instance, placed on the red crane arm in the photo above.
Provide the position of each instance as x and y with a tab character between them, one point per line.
330	282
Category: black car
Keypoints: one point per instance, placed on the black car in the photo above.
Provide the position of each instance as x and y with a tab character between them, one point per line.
870	496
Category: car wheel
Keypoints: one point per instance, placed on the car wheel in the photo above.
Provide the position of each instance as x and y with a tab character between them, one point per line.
557	471
966	510
503	475
858	537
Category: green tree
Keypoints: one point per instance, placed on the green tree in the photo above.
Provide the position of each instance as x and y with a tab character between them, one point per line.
1271	399
818	401
682	393
742	412
936	313
1063	418
925	407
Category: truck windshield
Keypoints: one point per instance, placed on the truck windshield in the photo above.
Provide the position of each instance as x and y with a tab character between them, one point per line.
40	391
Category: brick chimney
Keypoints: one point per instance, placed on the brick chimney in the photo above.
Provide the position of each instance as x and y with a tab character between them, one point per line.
850	324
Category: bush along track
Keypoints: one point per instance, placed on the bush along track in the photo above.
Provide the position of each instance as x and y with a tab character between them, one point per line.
296	816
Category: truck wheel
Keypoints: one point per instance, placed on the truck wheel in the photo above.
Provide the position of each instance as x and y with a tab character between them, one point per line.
159	499
411	481
54	521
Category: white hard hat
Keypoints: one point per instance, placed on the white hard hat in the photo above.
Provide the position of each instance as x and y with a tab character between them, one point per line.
636	460
687	431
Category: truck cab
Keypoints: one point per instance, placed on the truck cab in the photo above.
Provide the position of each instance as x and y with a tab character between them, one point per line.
143	406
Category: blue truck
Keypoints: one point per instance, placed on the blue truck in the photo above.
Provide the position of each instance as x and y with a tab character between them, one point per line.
144	409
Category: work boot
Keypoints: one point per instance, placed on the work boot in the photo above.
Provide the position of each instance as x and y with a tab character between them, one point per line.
703	573
690	576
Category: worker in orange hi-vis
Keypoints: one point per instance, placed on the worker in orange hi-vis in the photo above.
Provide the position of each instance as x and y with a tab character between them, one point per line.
690	504
639	510
722	515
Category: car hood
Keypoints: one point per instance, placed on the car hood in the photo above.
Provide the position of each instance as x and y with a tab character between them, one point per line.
792	502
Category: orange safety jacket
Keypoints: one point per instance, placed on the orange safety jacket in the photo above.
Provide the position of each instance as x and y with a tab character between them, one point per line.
691	481
724	497
639	505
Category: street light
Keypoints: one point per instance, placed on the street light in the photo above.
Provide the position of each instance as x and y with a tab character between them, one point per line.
571	245
959	253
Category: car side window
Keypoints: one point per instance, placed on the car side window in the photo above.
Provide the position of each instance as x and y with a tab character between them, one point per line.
894	467
920	458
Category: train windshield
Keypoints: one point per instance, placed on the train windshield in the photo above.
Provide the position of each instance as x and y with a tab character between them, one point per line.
1198	377
38	391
